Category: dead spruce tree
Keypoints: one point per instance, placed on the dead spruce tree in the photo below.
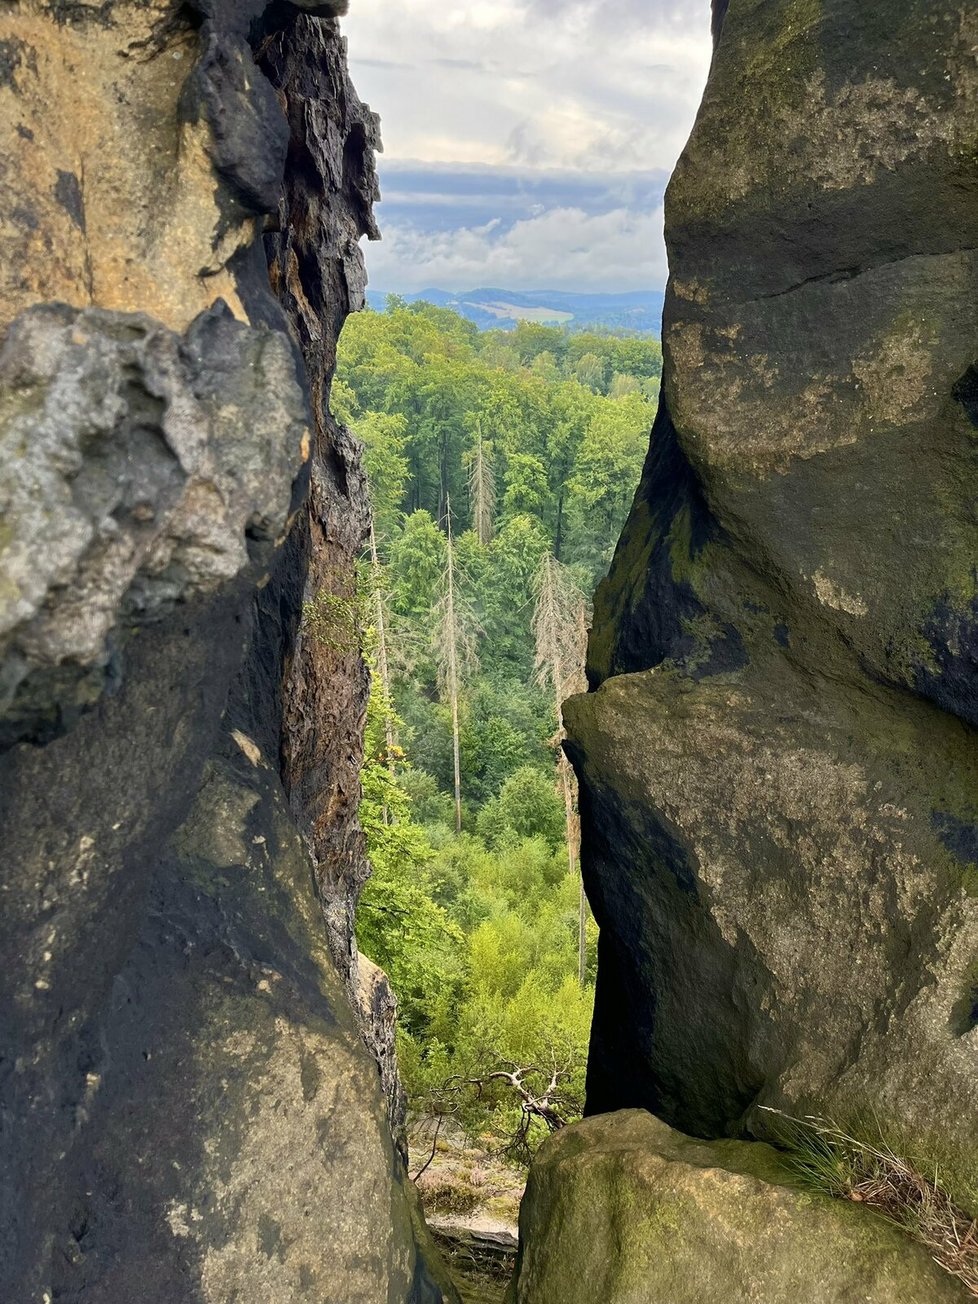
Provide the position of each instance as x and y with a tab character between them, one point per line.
560	634
455	650
482	489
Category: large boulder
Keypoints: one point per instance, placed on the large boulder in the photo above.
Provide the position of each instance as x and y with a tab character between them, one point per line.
778	763
622	1209
189	1109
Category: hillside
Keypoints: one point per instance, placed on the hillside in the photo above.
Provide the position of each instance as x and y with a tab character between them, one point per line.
495	309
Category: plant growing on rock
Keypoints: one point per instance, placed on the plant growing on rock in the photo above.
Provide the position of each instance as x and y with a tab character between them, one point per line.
832	1161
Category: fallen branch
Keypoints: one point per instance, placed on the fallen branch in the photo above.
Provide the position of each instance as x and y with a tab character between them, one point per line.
549	1106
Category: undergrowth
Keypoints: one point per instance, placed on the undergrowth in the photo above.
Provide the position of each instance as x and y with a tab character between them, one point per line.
826	1158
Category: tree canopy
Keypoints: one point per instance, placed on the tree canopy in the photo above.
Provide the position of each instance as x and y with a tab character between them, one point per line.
501	466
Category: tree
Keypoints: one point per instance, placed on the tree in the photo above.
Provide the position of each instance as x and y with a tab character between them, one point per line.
590	370
383	662
417	563
482	488
526	485
399	925
384	441
606	474
505	592
570	410
547	1103
560	635
527	807
455	651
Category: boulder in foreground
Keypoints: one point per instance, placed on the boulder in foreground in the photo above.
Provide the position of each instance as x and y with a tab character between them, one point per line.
623	1209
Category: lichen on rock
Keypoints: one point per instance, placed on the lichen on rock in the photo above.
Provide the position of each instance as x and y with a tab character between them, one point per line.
137	467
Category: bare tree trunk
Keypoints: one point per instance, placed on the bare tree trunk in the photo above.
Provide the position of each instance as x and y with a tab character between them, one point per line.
560	631
482	490
453	668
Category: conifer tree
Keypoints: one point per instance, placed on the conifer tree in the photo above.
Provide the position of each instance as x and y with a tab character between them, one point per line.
454	645
560	636
482	489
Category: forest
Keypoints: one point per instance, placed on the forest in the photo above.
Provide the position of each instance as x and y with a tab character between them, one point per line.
501	466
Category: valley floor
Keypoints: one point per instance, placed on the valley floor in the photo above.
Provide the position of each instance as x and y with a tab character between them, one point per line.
471	1198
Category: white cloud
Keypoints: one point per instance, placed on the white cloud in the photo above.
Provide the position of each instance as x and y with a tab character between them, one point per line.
600	89
562	249
454	81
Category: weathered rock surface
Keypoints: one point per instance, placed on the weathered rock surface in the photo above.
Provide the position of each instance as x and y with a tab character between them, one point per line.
136	468
622	1209
188	1109
778	763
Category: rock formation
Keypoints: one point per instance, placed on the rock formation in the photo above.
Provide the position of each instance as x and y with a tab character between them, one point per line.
622	1209
188	1111
778	759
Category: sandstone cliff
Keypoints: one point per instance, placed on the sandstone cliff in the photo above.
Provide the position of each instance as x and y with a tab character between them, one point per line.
187	1108
778	764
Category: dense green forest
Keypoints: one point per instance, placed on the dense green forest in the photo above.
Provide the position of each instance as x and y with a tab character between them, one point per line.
501	466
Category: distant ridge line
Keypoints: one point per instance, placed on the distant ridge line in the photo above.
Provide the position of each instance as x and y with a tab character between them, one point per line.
491	307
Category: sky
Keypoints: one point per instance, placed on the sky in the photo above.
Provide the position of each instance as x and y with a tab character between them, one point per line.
527	143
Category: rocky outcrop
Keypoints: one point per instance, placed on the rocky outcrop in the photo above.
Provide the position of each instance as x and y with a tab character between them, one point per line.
778	759
188	1111
624	1210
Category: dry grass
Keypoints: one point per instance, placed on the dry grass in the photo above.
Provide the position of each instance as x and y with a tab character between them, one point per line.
455	1178
829	1159
449	1191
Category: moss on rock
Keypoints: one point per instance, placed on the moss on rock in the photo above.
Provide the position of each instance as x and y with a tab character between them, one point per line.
622	1209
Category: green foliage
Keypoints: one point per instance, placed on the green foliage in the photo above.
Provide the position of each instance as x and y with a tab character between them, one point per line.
537	438
428	803
399	925
417	561
528	806
478	934
422	387
384	439
335	620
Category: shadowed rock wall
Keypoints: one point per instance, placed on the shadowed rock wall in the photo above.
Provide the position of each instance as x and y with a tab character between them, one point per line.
778	759
187	1108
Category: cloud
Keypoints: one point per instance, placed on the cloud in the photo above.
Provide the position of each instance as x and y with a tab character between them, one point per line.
557	120
447	196
561	249
625	15
556	83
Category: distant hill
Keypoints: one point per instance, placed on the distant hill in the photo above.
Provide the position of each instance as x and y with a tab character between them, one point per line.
637	310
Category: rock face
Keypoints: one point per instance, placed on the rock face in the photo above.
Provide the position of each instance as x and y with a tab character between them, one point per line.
624	1210
188	1111
778	760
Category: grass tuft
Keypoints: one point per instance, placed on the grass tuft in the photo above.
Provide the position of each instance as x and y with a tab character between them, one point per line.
827	1159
